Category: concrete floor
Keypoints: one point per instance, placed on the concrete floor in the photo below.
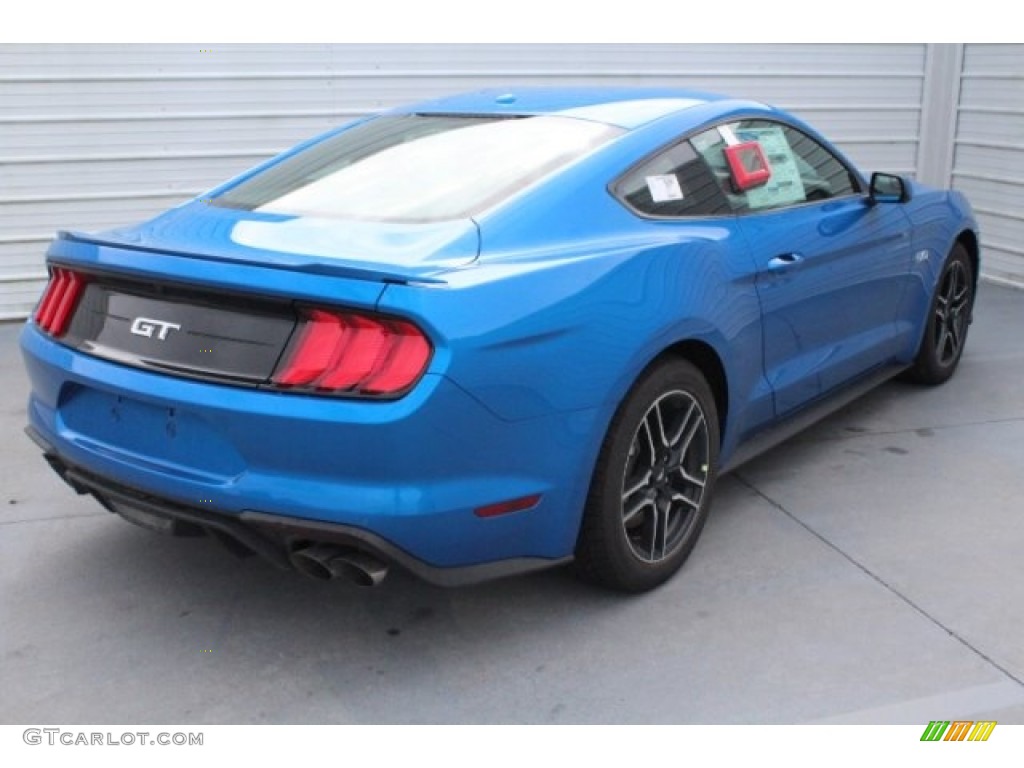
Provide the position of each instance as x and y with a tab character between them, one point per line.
870	570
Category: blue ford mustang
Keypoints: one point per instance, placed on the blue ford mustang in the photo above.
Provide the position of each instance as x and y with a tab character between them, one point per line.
490	333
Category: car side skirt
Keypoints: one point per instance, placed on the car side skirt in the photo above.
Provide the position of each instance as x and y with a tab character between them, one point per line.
800	420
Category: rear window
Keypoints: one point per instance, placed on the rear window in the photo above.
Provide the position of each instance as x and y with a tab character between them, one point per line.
417	168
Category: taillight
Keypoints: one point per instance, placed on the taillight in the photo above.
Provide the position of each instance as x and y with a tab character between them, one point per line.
353	352
59	300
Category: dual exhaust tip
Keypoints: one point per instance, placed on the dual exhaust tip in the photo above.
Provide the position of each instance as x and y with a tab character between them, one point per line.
330	561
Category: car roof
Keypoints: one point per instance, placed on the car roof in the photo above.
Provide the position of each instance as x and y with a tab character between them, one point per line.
623	107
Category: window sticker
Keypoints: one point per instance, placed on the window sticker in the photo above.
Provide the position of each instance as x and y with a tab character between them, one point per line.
785	185
664	188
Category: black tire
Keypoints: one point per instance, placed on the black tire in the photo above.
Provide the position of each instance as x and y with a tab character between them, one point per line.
949	317
652	486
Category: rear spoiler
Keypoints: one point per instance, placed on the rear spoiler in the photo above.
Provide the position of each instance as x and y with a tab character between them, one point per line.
288	261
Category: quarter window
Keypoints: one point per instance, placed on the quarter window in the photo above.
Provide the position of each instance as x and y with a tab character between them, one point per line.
675	182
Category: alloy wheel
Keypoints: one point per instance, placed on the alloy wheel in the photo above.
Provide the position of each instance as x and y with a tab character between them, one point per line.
951	313
665	476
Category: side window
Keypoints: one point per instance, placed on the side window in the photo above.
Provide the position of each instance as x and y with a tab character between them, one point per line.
801	169
675	182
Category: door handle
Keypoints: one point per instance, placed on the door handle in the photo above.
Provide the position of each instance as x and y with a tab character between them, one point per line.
785	261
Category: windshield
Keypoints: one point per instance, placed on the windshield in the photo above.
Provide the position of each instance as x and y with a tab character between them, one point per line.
418	168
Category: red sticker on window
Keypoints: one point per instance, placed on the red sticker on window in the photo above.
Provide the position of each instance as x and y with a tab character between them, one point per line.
748	165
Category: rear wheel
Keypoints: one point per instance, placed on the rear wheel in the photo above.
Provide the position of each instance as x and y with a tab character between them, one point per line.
651	490
948	319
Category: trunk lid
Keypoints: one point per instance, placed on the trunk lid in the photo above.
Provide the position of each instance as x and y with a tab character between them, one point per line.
371	250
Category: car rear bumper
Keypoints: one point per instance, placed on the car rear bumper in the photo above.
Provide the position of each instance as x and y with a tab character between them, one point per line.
275	538
400	479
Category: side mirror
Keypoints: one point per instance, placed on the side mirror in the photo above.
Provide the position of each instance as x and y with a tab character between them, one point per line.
888	188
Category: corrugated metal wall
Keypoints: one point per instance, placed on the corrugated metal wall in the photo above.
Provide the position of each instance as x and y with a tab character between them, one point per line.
988	164
100	135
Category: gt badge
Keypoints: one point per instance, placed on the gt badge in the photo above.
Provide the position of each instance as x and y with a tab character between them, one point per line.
144	326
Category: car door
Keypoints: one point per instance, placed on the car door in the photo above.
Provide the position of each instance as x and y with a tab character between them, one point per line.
677	192
831	268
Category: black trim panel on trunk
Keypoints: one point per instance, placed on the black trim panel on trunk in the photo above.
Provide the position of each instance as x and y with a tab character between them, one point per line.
182	332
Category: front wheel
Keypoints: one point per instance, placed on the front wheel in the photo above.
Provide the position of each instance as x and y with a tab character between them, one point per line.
948	319
651	489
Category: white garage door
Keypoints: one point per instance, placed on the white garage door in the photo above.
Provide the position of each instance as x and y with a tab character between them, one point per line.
989	161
